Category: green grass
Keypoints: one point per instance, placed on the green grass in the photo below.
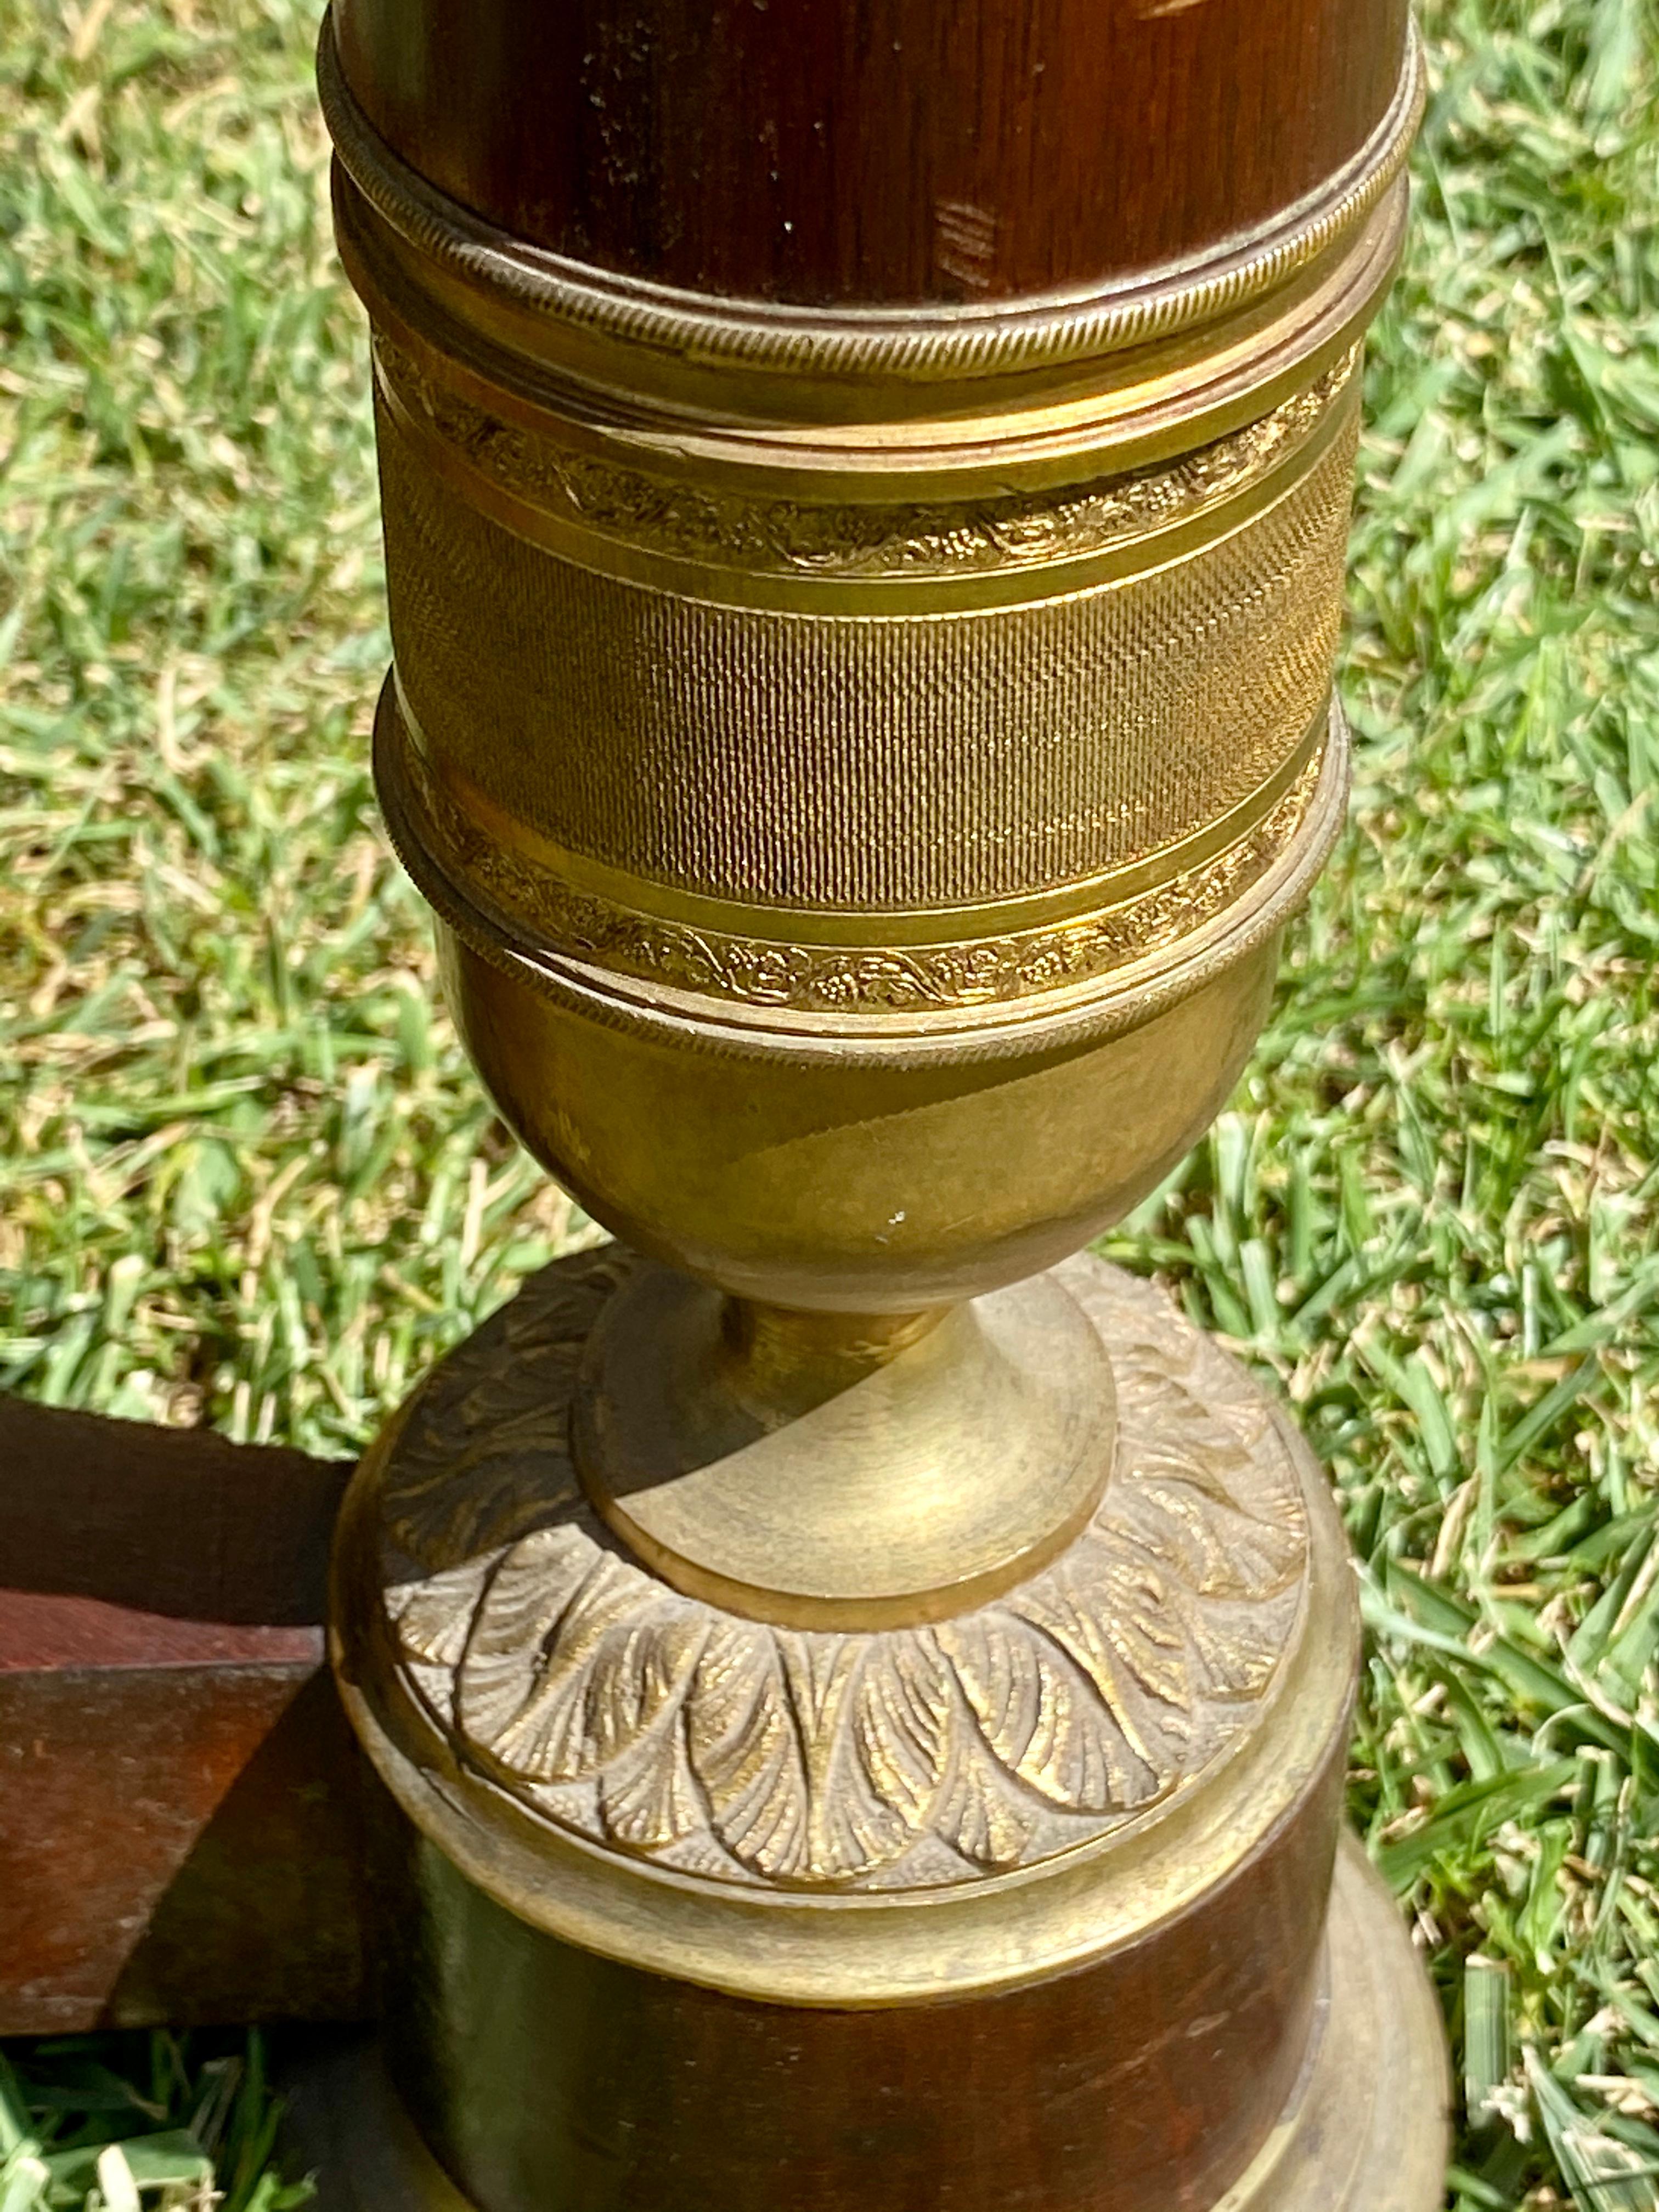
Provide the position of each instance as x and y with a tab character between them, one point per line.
192	2131
248	1179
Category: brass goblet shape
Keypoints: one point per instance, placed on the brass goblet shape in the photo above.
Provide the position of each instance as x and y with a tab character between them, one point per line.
834	1411
861	793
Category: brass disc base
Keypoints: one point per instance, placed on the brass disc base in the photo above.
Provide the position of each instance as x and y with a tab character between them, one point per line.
689	1900
1363	2131
639	1770
827	1471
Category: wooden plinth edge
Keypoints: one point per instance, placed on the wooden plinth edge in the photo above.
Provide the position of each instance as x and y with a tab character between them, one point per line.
181	1803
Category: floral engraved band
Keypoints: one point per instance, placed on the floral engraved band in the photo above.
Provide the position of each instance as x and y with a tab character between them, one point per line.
552	485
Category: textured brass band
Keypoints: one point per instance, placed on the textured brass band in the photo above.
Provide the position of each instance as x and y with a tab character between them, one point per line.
1038	790
1110	699
787	667
514	897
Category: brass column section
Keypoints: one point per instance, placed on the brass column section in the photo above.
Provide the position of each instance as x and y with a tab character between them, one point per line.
862	764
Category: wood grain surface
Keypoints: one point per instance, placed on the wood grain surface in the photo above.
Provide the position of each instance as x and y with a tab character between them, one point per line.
181	1800
1148	2079
875	151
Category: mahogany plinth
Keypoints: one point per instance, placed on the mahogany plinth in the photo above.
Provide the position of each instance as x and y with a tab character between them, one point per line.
888	151
180	1799
1353	2136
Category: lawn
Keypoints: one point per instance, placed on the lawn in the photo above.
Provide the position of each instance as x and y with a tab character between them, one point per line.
248	1180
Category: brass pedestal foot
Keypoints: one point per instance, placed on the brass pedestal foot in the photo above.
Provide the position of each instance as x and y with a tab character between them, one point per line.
1366	2130
1026	1904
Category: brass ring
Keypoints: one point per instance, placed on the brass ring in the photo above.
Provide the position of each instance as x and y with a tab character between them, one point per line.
923	344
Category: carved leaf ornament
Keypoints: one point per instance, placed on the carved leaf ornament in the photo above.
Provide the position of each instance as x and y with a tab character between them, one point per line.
653	1723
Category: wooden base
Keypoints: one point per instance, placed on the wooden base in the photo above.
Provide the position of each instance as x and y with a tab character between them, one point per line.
1363	2131
181	1802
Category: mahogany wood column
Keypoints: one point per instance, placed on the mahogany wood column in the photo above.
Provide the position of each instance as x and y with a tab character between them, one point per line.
871	152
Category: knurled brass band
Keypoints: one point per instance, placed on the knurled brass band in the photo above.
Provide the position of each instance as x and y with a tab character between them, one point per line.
879	761
536	904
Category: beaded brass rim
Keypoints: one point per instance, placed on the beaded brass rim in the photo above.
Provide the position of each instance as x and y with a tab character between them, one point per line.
878	439
920	345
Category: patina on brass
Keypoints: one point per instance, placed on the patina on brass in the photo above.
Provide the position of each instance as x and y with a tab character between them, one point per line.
868	1688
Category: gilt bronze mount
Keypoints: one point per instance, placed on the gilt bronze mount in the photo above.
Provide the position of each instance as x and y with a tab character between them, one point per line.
866	1688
